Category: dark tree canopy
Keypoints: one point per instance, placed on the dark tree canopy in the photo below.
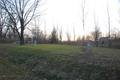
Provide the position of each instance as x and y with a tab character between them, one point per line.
53	38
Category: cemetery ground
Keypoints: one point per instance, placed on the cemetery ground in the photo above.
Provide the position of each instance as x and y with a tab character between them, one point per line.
58	62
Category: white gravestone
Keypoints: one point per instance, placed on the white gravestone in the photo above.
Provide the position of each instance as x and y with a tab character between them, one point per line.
35	42
89	48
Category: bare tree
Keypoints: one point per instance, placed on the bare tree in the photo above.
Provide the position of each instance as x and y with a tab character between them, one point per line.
78	38
3	26
74	32
60	33
108	17
117	30
68	35
96	32
45	30
108	22
84	16
115	33
88	37
1	22
35	30
37	33
11	25
21	13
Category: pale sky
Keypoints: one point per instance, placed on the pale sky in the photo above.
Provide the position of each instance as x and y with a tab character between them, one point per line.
67	13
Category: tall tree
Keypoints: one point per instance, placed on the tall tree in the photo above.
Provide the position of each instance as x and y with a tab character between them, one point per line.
96	32
4	27
84	11
45	30
108	22
21	13
68	34
74	32
60	33
53	38
108	17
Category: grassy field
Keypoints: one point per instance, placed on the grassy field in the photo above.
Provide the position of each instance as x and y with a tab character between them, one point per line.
58	62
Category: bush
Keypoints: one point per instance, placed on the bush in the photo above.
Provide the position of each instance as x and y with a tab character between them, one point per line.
7	40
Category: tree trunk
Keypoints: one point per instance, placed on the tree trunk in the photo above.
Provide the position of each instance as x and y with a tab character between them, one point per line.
96	43
22	37
83	40
109	43
0	33
21	40
22	32
96	38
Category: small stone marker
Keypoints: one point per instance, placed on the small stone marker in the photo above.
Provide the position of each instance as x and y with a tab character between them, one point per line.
89	46
83	49
35	42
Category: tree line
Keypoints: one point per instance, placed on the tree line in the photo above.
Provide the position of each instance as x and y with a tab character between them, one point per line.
15	15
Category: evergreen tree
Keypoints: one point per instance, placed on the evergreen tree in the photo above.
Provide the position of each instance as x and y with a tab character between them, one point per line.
53	38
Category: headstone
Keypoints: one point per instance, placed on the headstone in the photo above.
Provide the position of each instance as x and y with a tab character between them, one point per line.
14	43
83	50
89	48
35	42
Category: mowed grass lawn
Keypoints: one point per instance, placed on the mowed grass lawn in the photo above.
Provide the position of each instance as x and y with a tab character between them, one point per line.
58	62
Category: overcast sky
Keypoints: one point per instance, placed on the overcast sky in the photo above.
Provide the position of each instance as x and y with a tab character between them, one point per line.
66	14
